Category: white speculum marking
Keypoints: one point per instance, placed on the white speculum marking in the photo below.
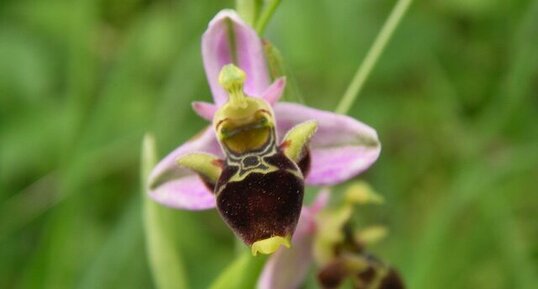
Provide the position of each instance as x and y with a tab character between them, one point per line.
253	161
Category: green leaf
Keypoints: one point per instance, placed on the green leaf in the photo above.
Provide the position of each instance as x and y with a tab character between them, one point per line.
164	258
243	273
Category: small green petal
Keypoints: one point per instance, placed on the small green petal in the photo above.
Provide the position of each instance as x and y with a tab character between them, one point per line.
297	139
207	165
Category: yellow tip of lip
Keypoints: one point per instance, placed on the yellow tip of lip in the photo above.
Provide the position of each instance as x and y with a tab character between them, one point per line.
270	245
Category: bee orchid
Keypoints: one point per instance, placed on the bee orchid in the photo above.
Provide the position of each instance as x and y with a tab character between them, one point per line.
253	162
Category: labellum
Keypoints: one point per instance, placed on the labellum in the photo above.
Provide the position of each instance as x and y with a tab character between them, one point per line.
259	185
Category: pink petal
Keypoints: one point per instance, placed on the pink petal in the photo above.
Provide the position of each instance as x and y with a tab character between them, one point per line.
287	268
188	192
216	52
177	187
341	148
320	202
204	109
273	93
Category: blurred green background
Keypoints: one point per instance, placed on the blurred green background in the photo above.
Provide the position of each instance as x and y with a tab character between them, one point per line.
454	100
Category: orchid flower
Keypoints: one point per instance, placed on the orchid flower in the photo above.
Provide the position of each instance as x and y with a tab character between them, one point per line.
325	237
253	162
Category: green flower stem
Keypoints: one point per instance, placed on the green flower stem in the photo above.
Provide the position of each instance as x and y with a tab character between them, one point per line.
266	15
165	263
249	10
375	51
